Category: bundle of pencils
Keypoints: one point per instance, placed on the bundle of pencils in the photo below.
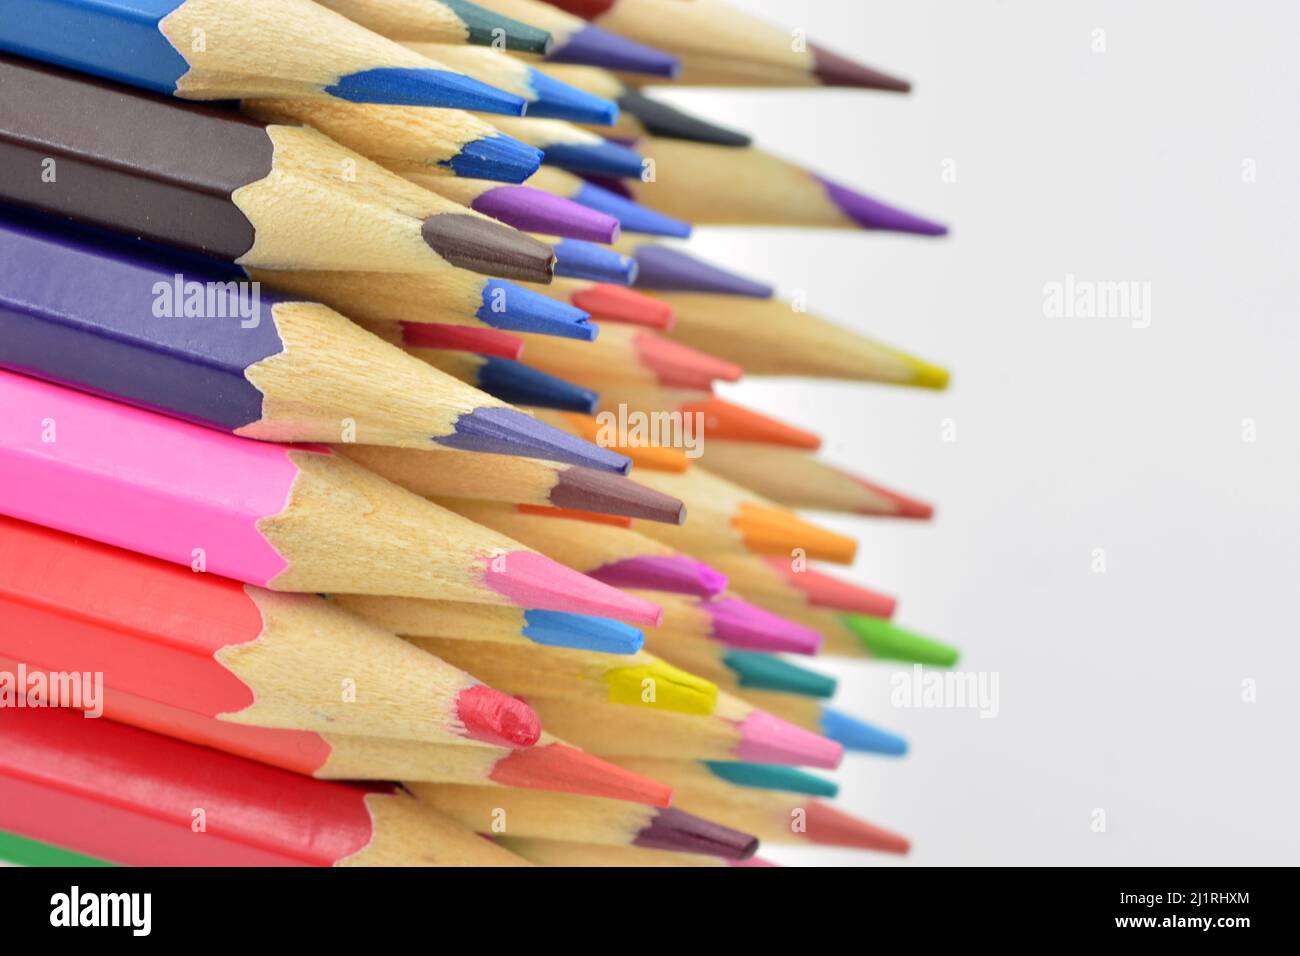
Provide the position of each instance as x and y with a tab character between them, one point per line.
362	476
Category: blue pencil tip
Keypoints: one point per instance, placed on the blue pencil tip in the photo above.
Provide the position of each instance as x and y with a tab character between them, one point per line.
499	158
631	215
595	159
582	632
860	736
522	384
421	87
508	431
575	259
558	100
512	308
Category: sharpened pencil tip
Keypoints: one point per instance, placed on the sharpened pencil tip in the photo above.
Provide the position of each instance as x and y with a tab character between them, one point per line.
860	736
632	216
582	489
575	259
660	119
484	246
673	573
680	366
768	530
669	270
605	301
677	831
582	632
400	86
674	689
724	419
499	158
835	70
531	580
769	672
592	46
533	210
831	827
496	718
565	769
768	776
558	100
745	626
513	308
507	431
871	213
521	384
768	739
888	641
823	590
605	159
485	27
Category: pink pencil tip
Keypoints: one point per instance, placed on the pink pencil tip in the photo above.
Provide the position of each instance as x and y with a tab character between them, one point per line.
531	580
747	627
496	718
903	506
823	590
768	739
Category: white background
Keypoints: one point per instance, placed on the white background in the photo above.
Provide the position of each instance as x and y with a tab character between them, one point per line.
1120	691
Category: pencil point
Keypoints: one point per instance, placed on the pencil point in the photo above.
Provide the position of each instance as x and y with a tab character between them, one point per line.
681	832
873	214
831	827
668	270
487	28
532	580
632	216
581	632
675	574
899	506
890	642
927	375
521	384
768	739
482	245
496	718
575	259
672	689
499	158
835	70
399	86
860	736
507	431
565	769
744	626
769	530
596	159
823	590
461	338
660	119
767	672
605	301
592	46
558	100
679	366
513	308
583	489
727	420
533	210
768	776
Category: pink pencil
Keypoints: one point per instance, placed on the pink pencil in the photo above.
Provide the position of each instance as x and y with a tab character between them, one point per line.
293	518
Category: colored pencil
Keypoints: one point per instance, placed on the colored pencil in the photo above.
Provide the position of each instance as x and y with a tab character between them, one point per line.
761	776
457	338
781	584
510	381
732	622
589	428
220	649
568	854
513	480
419	618
546	96
577	41
795	479
19	851
639	115
444	21
266	368
632	216
860	635
575	149
662	268
734	670
531	813
727	186
630	356
855	734
717	417
725	517
287	518
734	731
453	296
721	45
219	184
523	207
607	302
249	48
575	259
616	556
775	816
128	796
771	337
434	143
636	680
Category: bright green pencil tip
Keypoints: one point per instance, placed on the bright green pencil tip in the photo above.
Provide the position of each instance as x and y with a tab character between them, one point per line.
890	642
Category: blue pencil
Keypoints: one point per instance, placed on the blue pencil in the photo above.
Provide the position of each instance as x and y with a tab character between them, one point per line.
233	49
575	259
